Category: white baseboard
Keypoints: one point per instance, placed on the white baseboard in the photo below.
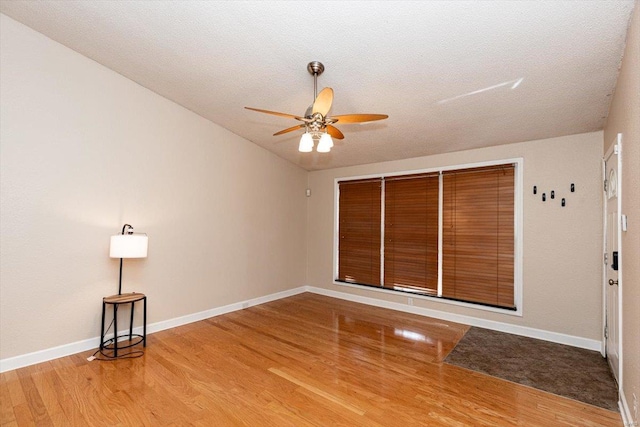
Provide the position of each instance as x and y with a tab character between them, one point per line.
196	317
23	360
16	362
625	411
556	337
40	356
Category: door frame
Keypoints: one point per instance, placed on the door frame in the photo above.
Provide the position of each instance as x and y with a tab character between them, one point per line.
615	148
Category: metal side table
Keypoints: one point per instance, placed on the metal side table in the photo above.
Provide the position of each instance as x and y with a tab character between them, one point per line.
116	301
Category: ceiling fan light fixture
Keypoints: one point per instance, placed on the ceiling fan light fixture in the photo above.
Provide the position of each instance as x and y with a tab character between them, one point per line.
325	144
306	143
318	125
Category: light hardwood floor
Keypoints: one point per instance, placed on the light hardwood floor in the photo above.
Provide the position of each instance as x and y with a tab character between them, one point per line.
306	360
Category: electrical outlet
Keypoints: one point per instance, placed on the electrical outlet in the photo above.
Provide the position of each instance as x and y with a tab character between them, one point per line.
410	301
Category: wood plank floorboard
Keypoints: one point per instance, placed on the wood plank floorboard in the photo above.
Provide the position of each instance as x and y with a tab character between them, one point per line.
306	360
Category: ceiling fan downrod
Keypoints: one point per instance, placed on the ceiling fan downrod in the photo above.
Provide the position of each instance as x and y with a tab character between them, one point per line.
315	68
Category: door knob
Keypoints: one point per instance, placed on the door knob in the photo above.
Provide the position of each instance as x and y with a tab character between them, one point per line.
612	282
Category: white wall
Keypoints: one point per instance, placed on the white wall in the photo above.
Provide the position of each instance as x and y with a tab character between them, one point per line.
624	117
84	150
561	271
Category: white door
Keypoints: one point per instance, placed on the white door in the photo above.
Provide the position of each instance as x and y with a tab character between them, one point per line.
612	257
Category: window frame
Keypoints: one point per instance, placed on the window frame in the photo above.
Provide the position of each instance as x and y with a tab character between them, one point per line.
518	232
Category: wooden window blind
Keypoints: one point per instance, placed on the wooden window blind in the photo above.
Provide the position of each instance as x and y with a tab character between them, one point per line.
478	235
411	233
359	231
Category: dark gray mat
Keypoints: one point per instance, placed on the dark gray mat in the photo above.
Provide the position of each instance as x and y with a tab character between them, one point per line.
571	372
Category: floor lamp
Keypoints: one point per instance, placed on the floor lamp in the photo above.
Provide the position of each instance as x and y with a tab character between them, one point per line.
124	245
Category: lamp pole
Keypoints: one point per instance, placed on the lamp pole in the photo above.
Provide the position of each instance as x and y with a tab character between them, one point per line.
124	228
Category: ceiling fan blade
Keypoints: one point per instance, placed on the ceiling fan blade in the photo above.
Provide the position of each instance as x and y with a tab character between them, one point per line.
275	113
358	118
322	104
334	132
291	129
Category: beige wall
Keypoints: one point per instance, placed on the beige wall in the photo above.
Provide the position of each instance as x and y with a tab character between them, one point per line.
84	150
624	117
561	271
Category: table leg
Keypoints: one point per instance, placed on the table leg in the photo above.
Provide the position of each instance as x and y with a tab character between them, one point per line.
131	323
115	330
144	324
102	327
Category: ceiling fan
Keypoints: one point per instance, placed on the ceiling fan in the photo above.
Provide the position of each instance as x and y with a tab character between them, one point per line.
317	124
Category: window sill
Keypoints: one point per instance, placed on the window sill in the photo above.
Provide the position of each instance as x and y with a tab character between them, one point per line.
433	298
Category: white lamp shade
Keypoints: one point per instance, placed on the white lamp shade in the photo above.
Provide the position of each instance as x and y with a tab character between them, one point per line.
129	246
306	143
325	144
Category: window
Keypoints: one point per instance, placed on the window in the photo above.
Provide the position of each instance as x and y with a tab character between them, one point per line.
448	233
477	235
411	233
360	232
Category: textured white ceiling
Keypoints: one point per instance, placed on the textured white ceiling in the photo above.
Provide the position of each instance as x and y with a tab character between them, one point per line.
444	72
